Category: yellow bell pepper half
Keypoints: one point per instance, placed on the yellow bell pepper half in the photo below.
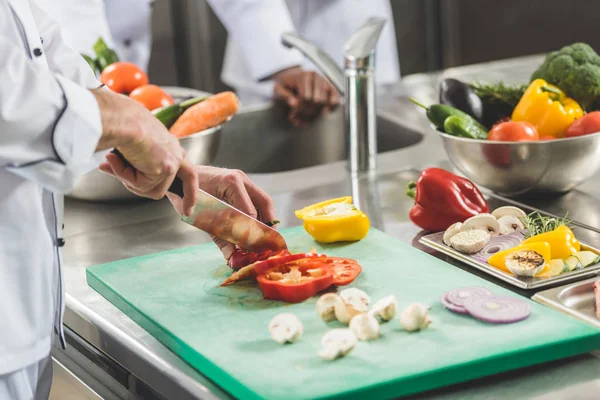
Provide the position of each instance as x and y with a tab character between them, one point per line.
335	220
562	242
547	108
498	260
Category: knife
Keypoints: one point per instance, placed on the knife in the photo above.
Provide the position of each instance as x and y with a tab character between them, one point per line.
222	220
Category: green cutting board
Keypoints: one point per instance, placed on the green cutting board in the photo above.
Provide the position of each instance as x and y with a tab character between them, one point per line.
222	332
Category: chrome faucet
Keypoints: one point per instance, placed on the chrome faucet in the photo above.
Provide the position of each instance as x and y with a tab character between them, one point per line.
357	83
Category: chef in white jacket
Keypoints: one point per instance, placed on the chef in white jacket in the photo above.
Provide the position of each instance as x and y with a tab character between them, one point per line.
259	67
55	124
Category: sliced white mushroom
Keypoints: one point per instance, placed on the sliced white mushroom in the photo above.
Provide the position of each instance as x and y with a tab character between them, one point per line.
365	327
509	224
351	302
337	343
451	231
286	328
482	222
326	306
385	309
470	242
415	317
508	210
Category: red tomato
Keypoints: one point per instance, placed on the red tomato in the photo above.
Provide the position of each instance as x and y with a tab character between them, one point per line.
152	97
123	77
589	123
290	291
513	131
547	138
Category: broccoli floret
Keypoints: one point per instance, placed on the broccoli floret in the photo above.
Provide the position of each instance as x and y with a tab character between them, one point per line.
576	70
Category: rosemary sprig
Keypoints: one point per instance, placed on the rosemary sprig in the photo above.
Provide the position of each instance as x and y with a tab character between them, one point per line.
536	223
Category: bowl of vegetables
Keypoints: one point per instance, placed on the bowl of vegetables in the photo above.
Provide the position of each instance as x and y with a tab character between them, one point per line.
541	138
194	117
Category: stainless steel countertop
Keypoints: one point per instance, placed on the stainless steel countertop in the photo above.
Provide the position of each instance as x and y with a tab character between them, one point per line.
97	233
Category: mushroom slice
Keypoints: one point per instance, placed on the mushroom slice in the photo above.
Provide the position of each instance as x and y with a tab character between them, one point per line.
470	242
482	222
415	317
326	306
337	343
451	231
286	328
509	224
351	302
365	326
385	309
508	210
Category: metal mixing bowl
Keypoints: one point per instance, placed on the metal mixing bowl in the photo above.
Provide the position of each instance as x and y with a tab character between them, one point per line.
544	168
201	148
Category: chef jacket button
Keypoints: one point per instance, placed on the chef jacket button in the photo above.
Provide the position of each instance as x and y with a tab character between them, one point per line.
63	226
42	40
127	42
60	242
37	52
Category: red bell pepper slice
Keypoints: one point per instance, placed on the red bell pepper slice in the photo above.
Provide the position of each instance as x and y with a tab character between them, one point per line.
344	270
241	258
277	284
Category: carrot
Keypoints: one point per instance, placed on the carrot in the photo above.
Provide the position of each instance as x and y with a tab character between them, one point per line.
211	112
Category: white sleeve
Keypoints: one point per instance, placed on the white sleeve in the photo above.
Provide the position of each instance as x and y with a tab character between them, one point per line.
49	124
256	27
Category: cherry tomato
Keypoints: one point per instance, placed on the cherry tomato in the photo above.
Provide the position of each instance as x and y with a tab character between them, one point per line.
123	77
152	97
513	131
311	282
589	123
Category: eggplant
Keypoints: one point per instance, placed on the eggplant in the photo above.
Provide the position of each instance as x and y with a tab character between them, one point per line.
460	95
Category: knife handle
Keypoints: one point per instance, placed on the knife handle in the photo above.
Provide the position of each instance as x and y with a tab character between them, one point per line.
175	188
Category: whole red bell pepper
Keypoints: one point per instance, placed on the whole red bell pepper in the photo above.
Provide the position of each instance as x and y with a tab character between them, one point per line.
442	199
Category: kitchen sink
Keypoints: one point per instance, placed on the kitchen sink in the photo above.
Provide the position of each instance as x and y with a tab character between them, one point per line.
261	140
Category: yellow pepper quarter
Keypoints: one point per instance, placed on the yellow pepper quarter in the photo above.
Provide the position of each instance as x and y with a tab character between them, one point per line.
335	220
563	242
498	260
547	108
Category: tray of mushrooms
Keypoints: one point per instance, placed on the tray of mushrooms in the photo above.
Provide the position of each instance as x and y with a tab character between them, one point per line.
498	244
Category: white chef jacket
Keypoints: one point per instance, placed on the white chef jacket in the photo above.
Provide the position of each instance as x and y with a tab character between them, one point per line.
254	48
125	26
49	128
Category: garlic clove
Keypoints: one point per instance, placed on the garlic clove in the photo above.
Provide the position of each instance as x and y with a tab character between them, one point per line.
349	303
385	309
365	327
286	328
326	306
337	343
415	317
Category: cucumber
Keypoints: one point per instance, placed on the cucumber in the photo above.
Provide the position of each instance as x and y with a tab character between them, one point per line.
553	268
573	263
587	258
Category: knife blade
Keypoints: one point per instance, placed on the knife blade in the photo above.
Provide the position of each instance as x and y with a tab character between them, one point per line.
226	222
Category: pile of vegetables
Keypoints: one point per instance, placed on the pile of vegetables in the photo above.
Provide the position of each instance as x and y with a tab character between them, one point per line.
562	100
182	119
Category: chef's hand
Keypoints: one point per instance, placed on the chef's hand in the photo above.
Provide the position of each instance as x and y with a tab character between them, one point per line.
233	187
156	155
306	93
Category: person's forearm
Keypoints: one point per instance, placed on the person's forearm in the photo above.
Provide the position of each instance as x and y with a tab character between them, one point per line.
118	123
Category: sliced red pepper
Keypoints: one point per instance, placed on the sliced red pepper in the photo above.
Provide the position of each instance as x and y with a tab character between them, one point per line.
344	270
275	285
442	198
241	258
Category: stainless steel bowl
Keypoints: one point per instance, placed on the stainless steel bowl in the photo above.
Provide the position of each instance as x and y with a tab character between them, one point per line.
201	148
512	169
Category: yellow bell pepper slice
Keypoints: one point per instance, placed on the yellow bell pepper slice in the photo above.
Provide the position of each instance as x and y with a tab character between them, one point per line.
562	242
547	108
335	220
498	260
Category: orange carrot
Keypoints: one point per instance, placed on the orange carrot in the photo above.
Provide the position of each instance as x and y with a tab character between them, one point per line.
211	112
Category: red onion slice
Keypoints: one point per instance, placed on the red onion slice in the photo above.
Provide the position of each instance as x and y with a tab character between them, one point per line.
453	307
458	296
497	309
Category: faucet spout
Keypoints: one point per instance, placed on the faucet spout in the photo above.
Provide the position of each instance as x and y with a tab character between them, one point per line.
318	57
360	47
